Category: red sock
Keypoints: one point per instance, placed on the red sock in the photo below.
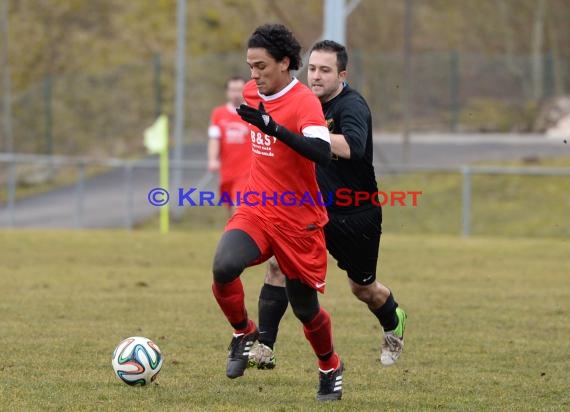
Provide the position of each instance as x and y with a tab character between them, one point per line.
230	297
331	363
319	333
248	329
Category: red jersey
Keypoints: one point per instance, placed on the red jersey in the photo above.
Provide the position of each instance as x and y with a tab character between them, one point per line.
235	149
278	169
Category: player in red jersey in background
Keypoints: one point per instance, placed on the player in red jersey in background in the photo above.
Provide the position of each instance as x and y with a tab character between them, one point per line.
229	147
288	135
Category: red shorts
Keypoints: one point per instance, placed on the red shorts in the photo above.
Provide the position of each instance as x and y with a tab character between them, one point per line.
232	186
301	256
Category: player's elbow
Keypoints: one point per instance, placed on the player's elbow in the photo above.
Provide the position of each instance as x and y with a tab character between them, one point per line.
342	152
356	153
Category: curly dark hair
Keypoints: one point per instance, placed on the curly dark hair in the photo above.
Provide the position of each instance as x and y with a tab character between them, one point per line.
279	43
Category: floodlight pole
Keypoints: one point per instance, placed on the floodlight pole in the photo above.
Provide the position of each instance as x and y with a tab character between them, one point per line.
335	21
6	96
179	99
407	80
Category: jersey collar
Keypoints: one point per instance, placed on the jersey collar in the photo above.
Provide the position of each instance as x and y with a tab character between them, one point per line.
280	93
230	108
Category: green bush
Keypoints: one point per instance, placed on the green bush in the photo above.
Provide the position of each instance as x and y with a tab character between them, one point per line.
489	115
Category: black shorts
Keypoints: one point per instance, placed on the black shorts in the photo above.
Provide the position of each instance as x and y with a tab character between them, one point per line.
354	241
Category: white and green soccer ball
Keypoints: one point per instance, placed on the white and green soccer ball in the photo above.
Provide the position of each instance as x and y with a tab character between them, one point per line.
137	361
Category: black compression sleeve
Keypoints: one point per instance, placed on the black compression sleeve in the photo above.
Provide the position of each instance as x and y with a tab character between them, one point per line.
312	148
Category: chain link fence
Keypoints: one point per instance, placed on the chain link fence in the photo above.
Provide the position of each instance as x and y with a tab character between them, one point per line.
104	114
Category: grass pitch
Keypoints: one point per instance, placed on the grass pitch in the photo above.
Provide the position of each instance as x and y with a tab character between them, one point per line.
488	326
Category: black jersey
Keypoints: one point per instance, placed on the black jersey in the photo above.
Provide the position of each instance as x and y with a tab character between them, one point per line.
349	115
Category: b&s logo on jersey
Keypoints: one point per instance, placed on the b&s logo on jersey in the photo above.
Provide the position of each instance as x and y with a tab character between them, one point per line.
261	143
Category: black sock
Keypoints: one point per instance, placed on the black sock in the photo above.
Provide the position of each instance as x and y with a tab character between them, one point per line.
272	306
386	314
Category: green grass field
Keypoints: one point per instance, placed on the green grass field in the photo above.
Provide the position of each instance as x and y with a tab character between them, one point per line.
488	326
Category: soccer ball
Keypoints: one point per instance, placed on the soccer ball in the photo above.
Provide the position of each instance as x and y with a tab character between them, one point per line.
137	361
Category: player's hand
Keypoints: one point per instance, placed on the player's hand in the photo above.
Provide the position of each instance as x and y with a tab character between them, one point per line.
213	165
259	118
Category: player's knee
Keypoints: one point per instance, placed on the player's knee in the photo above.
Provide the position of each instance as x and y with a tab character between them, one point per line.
273	266
304	309
274	276
225	270
235	251
303	299
305	313
364	293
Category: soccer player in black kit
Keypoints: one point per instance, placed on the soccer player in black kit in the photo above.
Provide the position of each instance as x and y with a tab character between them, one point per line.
353	232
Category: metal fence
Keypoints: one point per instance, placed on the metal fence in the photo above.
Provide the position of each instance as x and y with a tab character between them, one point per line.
467	200
103	114
81	192
481	200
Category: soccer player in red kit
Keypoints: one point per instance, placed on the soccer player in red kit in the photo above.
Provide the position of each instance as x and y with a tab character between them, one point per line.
288	135
229	147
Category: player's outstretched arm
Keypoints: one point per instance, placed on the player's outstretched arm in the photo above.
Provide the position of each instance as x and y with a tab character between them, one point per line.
314	149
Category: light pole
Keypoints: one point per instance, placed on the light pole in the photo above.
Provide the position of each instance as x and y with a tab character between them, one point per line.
407	89
334	27
179	99
4	64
